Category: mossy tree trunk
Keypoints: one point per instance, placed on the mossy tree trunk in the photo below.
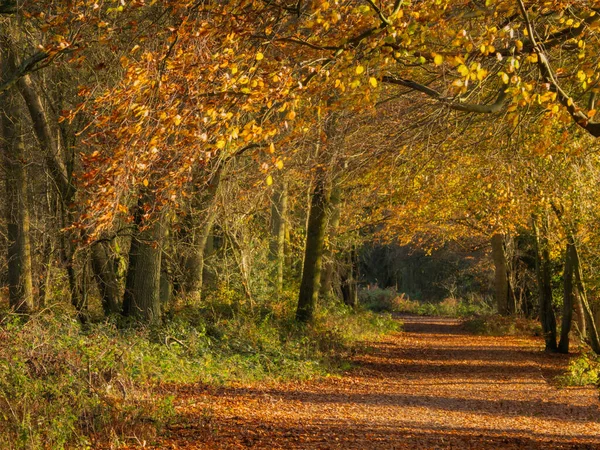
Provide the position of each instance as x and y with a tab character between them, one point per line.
103	268
315	234
590	324
504	298
279	207
543	272
142	286
349	279
329	262
20	278
568	295
198	226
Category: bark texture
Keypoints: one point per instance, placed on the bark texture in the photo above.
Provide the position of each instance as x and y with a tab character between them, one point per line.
105	275
315	234
328	253
546	313
20	280
504	301
568	296
279	206
142	289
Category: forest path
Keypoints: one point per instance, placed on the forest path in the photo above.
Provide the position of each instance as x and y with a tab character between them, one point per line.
433	386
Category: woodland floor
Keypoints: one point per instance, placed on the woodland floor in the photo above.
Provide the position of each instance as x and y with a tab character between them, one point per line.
433	386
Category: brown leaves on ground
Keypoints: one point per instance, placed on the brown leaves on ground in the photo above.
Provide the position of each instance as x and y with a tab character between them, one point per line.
431	387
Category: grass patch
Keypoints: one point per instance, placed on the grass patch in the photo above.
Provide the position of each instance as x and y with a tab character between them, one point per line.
583	370
64	386
496	325
389	300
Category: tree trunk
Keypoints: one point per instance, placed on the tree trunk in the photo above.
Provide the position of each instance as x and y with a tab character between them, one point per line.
142	287
279	206
328	253
20	279
580	315
542	263
62	177
591	328
315	234
349	280
106	278
502	285
198	227
568	296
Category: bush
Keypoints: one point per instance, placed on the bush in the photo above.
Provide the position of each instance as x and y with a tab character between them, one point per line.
496	325
388	300
584	370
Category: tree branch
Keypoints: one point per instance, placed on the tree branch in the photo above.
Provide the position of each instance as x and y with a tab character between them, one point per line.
576	113
24	68
450	102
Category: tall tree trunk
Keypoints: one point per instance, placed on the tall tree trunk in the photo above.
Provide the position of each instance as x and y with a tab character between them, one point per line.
315	234
20	279
55	160
279	206
591	328
502	284
103	269
142	287
328	253
580	314
349	279
568	296
542	263
198	227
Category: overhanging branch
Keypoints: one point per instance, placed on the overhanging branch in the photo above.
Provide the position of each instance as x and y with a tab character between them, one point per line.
450	102
580	118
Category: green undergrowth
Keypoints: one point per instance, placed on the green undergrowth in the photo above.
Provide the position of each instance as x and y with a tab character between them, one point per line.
497	325
583	370
67	386
378	300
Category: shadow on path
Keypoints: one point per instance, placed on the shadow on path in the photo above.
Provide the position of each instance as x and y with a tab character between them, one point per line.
434	386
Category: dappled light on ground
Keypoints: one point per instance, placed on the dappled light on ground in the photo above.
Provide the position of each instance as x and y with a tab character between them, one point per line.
433	386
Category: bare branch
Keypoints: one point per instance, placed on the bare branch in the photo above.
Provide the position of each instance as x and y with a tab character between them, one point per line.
450	102
24	68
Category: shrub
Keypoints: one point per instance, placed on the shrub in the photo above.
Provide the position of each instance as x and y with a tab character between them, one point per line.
378	300
496	325
583	370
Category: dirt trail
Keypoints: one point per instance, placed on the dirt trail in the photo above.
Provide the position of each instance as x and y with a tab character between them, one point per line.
431	387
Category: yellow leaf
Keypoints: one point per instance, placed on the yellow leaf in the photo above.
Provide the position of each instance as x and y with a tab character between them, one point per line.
220	144
279	164
463	70
438	60
519	45
291	115
373	82
145	182
271	148
177	119
591	113
259	56
359	70
269	180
